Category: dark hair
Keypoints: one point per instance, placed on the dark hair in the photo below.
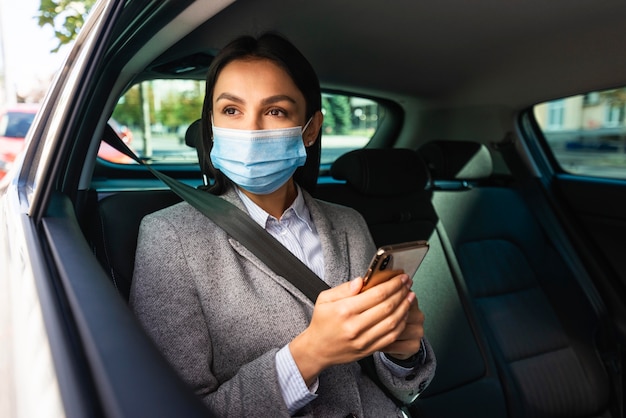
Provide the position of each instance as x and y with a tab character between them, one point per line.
279	50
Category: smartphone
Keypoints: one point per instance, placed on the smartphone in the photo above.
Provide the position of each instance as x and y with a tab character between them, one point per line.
391	260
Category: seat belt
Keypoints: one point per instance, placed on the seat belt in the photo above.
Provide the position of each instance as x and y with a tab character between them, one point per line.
244	229
544	212
241	227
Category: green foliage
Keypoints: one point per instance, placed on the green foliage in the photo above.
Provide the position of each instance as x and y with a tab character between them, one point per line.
337	114
176	105
66	17
329	117
128	110
182	109
343	114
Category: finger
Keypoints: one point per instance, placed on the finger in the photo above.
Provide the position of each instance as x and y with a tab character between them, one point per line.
344	290
402	349
384	333
411	332
407	343
366	300
385	299
415	313
382	325
416	317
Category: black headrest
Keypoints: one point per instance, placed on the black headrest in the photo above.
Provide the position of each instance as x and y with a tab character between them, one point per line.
457	160
193	135
193	138
383	172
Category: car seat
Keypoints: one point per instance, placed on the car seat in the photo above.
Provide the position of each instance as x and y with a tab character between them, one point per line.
539	322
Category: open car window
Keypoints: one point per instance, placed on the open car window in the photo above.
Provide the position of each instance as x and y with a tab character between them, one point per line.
587	133
152	118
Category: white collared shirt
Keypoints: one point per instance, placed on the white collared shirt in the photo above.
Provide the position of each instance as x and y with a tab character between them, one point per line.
295	230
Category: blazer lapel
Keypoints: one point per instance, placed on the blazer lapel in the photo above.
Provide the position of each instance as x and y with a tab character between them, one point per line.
334	245
231	196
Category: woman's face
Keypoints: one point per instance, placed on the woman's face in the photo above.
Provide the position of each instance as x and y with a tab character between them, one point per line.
255	94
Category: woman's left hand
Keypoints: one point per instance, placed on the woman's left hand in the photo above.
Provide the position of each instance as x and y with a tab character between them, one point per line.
408	343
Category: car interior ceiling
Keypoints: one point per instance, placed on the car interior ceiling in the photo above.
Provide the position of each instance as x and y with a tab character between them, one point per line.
514	333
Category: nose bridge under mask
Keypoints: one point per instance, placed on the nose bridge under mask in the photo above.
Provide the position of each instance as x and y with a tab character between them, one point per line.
260	161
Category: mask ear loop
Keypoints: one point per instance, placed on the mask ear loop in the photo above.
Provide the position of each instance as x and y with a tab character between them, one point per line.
304	129
205	179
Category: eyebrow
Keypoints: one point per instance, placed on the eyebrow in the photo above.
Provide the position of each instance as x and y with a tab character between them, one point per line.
228	96
278	98
267	101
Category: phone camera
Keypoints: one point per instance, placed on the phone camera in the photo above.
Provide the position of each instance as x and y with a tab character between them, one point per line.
385	262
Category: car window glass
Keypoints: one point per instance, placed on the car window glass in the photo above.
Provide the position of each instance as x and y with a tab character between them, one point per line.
152	118
587	133
349	123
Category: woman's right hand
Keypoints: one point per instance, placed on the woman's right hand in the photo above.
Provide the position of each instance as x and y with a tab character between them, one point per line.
347	325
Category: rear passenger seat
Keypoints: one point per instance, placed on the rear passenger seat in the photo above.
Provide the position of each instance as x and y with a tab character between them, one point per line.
388	187
512	330
540	324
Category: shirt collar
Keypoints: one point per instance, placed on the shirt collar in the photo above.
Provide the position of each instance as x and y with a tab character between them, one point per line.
298	207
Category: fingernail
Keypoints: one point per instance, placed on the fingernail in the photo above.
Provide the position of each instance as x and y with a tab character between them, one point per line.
410	297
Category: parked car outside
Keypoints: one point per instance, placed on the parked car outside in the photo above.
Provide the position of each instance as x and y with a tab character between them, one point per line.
14	124
524	285
110	154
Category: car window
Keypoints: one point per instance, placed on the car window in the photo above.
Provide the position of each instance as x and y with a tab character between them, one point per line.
349	123
154	115
152	118
587	133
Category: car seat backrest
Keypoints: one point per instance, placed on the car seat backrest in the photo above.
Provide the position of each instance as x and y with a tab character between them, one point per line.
114	230
457	160
114	224
539	322
388	187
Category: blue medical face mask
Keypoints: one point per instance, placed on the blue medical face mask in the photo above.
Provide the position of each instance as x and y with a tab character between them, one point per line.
259	161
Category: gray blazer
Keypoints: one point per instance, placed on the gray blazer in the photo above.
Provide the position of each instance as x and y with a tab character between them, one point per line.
219	315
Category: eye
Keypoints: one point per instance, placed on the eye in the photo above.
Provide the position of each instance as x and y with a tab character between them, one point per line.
229	111
277	112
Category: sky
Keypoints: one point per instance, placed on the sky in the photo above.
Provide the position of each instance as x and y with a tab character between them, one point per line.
27	58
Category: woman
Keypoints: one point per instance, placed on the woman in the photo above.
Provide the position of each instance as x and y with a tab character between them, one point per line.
244	338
